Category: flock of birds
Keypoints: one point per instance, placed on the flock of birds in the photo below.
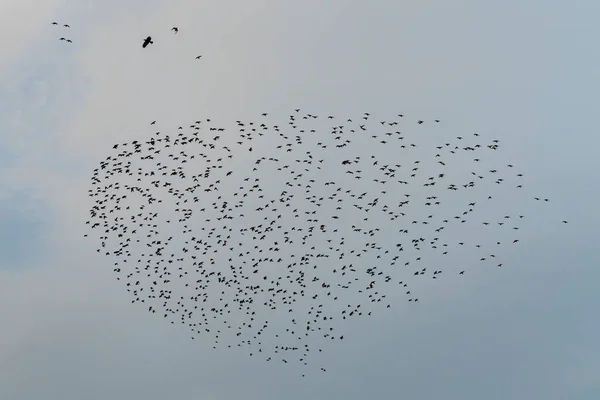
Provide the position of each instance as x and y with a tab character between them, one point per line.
63	38
148	40
264	235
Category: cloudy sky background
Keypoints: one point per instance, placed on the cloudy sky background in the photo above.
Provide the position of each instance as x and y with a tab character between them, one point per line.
525	72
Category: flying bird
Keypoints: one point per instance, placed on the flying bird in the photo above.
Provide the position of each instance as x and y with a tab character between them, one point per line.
175	29
147	41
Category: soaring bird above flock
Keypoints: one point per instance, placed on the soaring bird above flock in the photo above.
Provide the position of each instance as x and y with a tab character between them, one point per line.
147	41
263	234
63	38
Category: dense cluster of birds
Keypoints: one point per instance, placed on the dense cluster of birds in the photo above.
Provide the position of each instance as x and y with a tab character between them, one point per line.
67	40
263	235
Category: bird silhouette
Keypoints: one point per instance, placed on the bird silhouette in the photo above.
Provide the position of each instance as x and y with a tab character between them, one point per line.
147	41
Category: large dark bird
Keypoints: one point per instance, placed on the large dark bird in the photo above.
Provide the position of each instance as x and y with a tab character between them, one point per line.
147	41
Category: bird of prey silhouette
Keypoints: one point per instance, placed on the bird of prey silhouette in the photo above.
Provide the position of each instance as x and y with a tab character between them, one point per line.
147	41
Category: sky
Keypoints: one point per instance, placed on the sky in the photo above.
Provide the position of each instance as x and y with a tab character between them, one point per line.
523	72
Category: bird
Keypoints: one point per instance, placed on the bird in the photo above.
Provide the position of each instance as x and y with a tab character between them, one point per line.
198	57
147	41
54	23
175	29
224	227
66	26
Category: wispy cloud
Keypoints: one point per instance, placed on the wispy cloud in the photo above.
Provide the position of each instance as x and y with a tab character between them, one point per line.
22	232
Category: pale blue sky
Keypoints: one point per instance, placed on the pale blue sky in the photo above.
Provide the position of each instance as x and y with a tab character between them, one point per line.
22	233
525	72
